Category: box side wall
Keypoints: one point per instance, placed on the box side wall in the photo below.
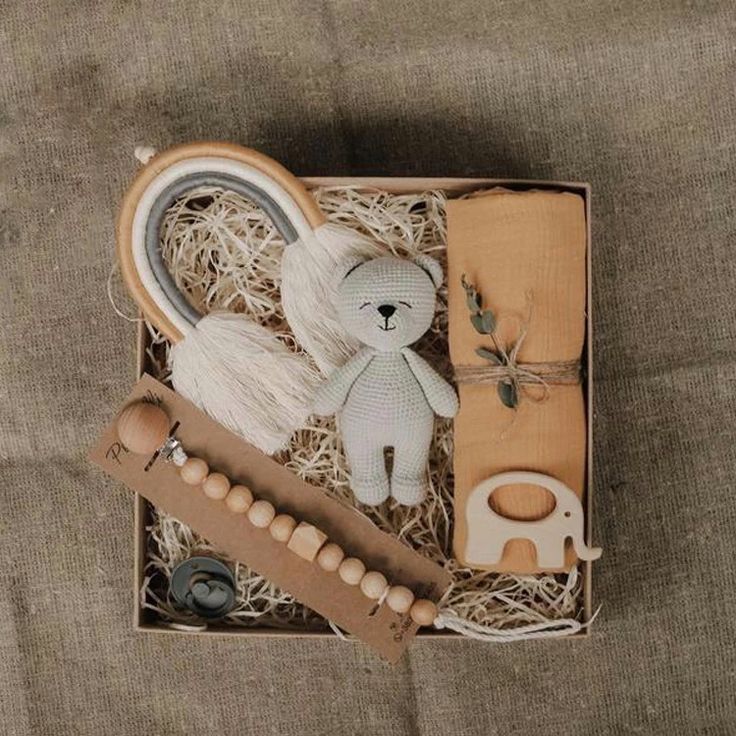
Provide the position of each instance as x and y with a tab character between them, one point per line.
140	505
588	567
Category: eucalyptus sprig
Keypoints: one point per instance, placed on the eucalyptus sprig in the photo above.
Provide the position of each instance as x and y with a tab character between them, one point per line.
484	322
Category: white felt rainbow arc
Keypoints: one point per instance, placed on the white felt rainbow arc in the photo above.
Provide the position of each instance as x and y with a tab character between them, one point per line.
233	368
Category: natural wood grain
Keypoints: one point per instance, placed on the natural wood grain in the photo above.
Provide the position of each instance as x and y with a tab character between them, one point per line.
216	486
373	584
423	612
194	471
330	557
143	427
306	541
282	527
239	500
261	514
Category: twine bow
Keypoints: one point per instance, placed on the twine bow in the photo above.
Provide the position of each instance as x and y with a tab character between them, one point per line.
558	373
504	368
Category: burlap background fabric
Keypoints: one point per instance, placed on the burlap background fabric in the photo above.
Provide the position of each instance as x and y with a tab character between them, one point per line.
636	97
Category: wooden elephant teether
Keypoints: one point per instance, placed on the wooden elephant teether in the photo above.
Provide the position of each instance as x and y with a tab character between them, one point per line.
488	531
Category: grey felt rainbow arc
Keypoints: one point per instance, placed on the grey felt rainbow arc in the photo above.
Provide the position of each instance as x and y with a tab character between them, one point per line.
180	188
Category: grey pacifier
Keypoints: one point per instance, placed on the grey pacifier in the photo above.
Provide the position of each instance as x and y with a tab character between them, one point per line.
205	586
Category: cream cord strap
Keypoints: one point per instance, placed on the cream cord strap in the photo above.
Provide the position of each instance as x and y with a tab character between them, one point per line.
541	630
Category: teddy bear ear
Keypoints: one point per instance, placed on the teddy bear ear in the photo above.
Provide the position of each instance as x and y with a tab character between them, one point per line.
433	269
348	266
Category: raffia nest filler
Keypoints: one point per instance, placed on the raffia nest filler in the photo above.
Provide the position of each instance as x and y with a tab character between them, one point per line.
224	251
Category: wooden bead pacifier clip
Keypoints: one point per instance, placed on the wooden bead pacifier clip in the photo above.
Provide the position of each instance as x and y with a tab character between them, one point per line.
143	428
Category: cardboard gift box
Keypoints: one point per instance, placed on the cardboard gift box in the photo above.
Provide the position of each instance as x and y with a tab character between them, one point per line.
145	619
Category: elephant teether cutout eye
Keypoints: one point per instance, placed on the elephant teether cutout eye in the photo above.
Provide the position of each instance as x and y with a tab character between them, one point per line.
539	502
488	531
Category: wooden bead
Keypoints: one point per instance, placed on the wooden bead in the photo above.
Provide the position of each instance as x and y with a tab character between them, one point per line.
399	599
330	557
306	541
143	427
351	571
194	471
239	499
373	585
423	612
261	514
282	527
216	486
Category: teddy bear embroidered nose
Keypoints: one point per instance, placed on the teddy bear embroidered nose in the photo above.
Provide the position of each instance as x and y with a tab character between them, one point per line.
386	310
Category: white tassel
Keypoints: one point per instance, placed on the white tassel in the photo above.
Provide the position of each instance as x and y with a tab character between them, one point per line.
310	273
244	377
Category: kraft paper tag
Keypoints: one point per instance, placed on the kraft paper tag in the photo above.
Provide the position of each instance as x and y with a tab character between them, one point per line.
387	632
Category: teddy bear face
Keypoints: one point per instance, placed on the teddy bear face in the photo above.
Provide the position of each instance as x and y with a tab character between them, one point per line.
388	303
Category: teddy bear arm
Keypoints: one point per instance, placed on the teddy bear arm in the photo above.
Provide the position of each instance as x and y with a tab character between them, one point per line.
439	393
332	393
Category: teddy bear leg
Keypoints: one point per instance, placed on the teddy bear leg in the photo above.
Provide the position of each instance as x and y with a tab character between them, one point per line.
409	475
368	477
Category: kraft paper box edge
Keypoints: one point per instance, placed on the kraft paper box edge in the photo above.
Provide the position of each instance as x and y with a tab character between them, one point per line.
457	186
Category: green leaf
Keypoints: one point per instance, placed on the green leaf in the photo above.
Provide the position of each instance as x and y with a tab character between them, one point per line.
489	321
507	394
477	321
473	298
488	355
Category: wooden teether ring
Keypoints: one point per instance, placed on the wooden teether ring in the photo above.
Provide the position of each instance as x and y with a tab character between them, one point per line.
488	531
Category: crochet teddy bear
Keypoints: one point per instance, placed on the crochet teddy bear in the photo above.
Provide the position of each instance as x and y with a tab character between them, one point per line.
386	395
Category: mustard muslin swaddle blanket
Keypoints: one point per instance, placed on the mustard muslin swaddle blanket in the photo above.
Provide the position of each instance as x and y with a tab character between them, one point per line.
525	253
